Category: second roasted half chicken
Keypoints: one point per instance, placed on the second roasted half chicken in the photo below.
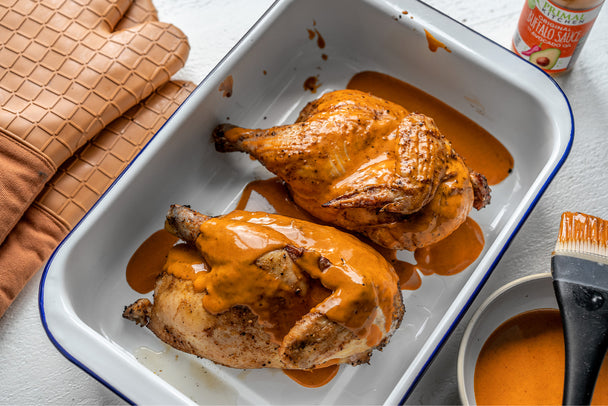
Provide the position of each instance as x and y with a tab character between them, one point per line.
253	290
368	165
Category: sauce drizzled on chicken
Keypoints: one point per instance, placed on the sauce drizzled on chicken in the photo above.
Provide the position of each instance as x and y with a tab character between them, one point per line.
275	291
367	165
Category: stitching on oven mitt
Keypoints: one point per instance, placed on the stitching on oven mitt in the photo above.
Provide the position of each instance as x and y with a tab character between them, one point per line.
65	73
77	185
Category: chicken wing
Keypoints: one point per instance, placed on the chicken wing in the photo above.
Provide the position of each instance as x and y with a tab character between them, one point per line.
367	165
259	290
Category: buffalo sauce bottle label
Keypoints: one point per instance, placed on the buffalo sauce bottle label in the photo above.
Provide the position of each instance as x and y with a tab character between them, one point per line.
550	35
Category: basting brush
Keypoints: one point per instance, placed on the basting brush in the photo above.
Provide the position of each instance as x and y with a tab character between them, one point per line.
579	266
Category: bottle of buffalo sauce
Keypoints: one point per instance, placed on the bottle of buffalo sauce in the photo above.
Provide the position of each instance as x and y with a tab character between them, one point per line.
551	33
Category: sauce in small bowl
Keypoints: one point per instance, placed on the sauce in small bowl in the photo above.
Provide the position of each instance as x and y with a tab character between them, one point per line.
530	296
523	363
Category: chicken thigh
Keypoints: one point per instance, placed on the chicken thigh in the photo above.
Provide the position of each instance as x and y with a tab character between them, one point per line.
365	164
253	290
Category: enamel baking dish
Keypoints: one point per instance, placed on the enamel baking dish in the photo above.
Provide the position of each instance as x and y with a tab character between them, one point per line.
84	290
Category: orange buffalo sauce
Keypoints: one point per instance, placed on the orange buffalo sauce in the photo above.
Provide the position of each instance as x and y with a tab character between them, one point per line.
226	86
481	151
522	363
452	254
313	378
434	43
185	261
409	278
359	277
312	84
148	260
271	195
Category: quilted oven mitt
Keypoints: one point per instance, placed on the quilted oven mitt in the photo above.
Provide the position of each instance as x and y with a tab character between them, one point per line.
81	180
77	185
66	73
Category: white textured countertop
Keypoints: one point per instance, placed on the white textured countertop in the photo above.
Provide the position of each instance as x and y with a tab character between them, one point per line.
32	371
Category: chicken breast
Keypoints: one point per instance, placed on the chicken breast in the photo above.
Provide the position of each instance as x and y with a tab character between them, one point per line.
368	165
254	290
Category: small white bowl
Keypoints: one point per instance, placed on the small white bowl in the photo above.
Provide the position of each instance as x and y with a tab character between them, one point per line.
524	294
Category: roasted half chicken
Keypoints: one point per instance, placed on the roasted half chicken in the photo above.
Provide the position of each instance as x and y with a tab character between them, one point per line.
253	290
365	164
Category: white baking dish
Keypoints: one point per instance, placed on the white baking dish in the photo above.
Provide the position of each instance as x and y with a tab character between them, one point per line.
83	290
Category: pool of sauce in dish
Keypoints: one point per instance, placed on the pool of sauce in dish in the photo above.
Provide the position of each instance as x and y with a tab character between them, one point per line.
314	378
449	256
452	254
481	150
148	260
522	363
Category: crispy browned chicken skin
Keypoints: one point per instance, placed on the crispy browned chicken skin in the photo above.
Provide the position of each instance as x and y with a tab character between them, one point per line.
183	315
365	164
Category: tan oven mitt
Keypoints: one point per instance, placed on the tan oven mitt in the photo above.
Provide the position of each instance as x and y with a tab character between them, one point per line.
66	73
77	185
